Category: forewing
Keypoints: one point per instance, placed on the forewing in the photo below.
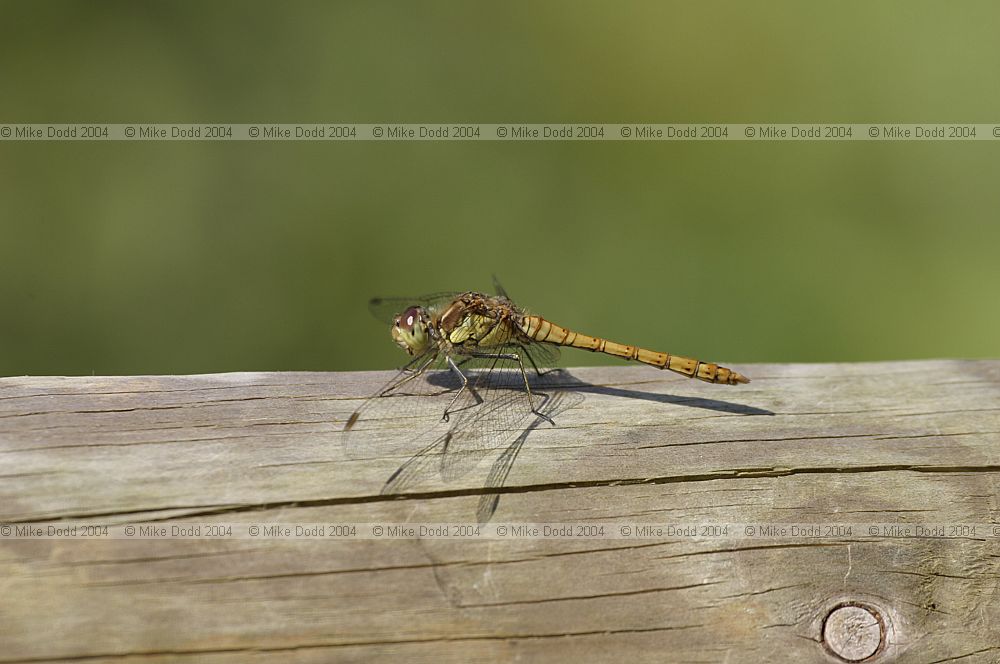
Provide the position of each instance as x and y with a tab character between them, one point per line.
494	410
558	402
498	288
402	410
386	309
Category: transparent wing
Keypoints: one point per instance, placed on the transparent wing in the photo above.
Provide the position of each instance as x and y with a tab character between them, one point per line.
538	357
498	289
494	411
496	406
410	381
402	416
387	308
559	402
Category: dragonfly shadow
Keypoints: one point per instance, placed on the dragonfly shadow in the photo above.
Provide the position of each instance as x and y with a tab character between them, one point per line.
691	402
562	379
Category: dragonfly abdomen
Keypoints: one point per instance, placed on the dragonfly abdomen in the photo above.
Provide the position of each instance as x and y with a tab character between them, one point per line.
539	329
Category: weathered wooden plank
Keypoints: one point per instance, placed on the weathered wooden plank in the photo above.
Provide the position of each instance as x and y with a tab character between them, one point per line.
906	442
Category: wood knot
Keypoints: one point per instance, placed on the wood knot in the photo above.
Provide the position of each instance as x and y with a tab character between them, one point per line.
854	632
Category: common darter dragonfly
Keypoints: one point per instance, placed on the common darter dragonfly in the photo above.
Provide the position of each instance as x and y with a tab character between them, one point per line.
472	354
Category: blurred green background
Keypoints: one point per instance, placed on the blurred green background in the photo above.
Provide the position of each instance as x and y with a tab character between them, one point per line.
132	258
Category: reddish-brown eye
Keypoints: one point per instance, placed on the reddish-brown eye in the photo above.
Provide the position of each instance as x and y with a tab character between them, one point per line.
408	318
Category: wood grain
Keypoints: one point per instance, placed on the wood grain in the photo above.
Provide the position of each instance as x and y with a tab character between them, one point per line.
901	442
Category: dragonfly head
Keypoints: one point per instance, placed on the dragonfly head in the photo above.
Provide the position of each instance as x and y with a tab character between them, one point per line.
410	330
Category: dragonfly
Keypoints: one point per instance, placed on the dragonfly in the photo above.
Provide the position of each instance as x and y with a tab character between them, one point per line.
470	353
460	327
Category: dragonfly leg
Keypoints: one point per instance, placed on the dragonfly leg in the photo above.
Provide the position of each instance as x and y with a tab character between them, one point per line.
465	384
514	357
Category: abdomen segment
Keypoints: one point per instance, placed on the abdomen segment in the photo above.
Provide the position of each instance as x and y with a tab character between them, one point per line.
539	329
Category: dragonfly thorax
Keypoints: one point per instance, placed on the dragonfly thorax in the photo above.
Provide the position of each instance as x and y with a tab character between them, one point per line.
410	330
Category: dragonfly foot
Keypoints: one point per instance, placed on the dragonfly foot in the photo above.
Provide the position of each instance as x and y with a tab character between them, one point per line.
445	417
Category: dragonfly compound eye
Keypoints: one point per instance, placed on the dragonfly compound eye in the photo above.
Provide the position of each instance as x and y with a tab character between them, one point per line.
409	331
408	318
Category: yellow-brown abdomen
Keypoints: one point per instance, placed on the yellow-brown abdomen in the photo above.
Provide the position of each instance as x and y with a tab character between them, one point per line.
539	329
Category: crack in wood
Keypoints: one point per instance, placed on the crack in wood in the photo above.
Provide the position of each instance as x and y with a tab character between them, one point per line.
573	598
736	473
348	644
